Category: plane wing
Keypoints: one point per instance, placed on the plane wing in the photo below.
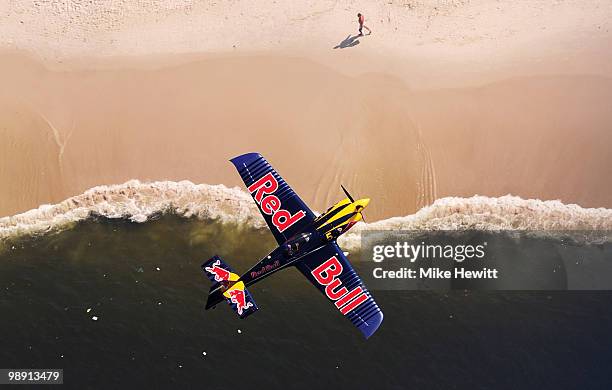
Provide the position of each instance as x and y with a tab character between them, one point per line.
285	213
332	274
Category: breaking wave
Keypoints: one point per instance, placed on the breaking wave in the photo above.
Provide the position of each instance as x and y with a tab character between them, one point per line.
140	202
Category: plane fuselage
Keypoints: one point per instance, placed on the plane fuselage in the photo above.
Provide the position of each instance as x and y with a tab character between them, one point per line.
328	226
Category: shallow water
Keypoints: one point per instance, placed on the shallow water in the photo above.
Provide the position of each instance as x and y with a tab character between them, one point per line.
152	329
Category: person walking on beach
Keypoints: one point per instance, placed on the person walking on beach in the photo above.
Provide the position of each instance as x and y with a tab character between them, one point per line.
361	20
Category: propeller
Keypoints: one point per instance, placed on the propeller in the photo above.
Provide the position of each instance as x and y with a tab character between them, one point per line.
348	195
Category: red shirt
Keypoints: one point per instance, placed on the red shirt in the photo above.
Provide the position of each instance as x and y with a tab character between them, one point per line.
361	19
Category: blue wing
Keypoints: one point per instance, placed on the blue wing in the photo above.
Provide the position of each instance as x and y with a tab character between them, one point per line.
331	272
285	213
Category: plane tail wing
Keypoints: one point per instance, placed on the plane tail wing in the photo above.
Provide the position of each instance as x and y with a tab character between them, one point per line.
228	286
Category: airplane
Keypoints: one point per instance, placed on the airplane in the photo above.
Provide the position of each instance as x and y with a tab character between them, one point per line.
306	241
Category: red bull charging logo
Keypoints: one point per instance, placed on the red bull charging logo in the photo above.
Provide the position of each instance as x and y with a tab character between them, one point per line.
219	273
239	298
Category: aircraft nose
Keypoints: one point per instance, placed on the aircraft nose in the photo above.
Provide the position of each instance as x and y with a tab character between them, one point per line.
364	202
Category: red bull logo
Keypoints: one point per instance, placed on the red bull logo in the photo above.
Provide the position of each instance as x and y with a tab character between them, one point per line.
262	191
220	274
239	298
345	300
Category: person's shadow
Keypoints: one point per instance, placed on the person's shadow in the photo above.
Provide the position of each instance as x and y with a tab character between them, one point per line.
349	41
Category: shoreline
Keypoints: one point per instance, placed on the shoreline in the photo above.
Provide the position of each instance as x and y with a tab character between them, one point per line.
141	202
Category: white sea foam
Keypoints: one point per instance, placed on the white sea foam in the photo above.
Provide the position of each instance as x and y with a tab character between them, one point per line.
139	202
484	213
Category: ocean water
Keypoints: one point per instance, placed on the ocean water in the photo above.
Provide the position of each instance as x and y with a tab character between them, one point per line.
130	256
144	284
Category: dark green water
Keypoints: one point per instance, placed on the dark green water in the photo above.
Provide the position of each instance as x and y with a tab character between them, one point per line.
152	330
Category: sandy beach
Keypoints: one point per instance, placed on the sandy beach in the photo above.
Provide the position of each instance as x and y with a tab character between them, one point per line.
445	98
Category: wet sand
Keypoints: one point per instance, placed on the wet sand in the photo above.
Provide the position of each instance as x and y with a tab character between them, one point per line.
535	137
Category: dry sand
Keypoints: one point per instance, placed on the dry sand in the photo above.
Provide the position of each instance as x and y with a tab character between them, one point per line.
447	98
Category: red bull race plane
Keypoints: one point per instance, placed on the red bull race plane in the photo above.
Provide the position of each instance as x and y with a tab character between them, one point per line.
306	242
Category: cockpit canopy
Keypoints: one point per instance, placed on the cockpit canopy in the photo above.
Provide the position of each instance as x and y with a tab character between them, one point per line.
295	244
